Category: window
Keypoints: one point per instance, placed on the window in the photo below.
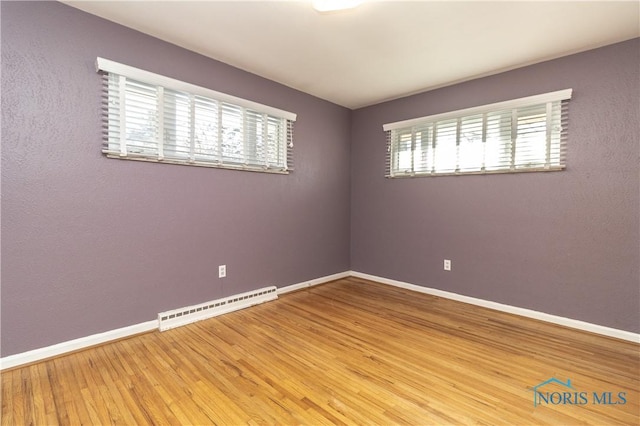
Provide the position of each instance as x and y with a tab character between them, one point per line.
522	135
150	117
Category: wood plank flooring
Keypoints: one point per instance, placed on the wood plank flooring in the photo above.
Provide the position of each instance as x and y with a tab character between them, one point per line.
347	352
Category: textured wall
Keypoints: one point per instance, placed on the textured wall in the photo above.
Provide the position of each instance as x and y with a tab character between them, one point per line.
91	244
565	243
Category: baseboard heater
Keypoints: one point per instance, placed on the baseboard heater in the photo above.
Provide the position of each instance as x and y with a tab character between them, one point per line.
177	317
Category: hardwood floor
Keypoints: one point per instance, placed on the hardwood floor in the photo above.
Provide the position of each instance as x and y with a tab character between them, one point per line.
347	352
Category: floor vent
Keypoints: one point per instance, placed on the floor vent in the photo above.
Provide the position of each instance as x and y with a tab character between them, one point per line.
189	314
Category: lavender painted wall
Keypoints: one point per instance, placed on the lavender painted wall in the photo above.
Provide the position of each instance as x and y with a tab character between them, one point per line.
565	243
91	244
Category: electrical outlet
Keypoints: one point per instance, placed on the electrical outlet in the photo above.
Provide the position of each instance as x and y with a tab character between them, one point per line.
447	265
222	271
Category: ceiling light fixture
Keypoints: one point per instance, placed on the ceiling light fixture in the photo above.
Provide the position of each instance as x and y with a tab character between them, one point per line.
335	5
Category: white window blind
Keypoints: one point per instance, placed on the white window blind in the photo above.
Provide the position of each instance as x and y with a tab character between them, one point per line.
521	135
150	117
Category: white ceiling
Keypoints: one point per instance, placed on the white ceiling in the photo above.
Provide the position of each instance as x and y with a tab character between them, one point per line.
383	49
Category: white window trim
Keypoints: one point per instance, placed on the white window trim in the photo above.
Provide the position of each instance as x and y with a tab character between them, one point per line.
559	95
107	65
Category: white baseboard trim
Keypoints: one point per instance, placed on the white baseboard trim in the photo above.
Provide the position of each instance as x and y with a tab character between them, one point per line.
40	354
75	344
567	322
313	282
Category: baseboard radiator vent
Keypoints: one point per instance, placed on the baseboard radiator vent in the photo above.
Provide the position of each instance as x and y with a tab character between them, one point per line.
177	317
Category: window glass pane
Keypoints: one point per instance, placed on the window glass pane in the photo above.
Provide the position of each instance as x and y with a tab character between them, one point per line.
497	153
275	149
423	154
206	128
531	142
178	135
232	127
445	155
141	118
471	147
555	143
402	152
254	148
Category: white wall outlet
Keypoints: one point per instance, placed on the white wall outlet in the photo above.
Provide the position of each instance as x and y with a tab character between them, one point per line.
447	265
222	271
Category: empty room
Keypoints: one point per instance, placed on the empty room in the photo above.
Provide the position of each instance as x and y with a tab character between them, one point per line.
320	212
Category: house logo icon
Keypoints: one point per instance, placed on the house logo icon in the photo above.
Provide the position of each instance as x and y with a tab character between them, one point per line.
538	395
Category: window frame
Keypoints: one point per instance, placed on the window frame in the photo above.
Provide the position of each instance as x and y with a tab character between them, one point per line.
516	111
265	144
